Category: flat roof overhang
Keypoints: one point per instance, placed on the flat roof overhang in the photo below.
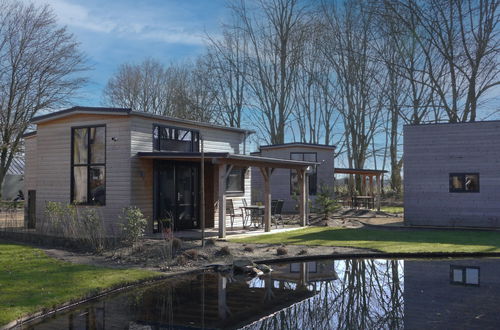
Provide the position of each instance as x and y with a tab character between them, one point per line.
361	171
228	158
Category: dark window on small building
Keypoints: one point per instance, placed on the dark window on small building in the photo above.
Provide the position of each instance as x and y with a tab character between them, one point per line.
311	173
235	183
463	275
167	138
464	182
88	165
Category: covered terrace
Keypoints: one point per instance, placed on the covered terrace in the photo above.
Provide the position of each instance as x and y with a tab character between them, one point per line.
220	165
371	182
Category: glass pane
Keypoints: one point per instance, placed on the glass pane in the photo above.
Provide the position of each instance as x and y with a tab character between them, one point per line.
295	267
457	275
456	182
80	146
234	182
97	145
294	182
471	182
310	157
97	185
80	184
312	267
296	156
472	276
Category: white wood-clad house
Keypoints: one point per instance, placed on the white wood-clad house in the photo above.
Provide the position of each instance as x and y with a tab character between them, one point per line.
284	182
112	158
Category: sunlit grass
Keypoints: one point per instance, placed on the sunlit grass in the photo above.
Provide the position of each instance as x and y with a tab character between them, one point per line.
392	241
392	209
31	281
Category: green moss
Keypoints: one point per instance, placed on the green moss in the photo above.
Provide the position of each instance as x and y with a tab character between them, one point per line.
392	241
31	281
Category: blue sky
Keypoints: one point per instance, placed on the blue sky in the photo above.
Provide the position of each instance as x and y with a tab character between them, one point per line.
112	32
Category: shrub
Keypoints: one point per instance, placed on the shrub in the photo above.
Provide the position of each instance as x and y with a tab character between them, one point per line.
181	260
248	249
324	203
92	229
281	251
191	254
134	224
176	243
224	251
210	241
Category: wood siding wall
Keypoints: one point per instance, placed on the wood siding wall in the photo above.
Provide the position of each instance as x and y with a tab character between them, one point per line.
53	158
280	179
431	153
215	140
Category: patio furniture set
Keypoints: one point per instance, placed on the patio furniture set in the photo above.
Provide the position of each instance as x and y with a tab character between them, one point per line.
254	214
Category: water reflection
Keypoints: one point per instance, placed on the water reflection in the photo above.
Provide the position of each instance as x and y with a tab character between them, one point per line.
329	294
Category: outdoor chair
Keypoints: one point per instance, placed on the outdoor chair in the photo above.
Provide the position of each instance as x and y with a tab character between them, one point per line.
232	213
256	217
276	209
246	212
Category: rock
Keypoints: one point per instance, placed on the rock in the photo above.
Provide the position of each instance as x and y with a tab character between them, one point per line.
264	268
239	265
257	271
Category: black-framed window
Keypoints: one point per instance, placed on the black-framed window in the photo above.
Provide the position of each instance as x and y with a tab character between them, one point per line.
235	182
88	165
311	173
464	182
464	275
169	138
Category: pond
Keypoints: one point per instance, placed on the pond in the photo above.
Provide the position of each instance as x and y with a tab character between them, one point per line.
321	294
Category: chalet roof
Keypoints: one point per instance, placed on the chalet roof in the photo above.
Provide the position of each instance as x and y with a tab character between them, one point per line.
297	144
128	112
228	158
364	171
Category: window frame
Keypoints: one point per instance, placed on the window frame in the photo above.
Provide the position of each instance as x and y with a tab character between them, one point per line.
464	275
242	181
315	192
462	176
195	143
88	165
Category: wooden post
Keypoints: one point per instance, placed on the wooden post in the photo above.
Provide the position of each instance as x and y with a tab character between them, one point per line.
379	190
223	173
301	174
266	174
202	193
371	185
221	296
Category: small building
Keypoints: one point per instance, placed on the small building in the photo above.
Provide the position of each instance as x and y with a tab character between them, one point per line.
451	175
284	184
112	158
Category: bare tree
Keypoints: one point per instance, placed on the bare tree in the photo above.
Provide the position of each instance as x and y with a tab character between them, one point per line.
276	32
460	39
39	66
348	47
227	67
180	91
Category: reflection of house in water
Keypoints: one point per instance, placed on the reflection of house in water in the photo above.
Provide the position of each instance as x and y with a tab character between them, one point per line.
458	294
200	301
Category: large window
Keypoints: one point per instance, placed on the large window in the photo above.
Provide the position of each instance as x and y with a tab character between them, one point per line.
464	182
311	173
167	138
88	165
235	183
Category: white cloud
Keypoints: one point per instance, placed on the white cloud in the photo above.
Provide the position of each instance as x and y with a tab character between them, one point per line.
129	23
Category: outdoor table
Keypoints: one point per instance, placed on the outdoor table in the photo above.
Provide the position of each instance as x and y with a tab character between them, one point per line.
368	201
254	209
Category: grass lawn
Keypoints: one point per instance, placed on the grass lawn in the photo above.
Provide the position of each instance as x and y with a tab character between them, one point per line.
31	281
387	240
392	209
